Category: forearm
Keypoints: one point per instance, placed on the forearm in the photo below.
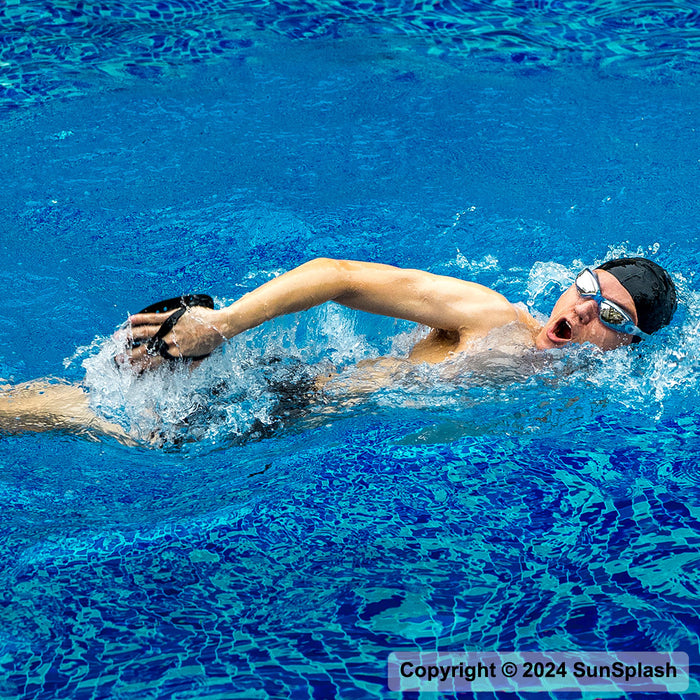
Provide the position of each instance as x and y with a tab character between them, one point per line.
302	288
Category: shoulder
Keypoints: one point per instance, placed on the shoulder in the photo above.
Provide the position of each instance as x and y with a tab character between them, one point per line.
463	306
484	308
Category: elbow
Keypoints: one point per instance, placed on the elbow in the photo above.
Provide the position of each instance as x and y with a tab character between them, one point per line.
324	268
332	266
324	262
337	276
320	265
328	276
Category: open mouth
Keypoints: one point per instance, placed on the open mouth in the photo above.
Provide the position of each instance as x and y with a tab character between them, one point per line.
562	330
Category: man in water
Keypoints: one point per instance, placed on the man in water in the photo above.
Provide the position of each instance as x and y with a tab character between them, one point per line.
621	302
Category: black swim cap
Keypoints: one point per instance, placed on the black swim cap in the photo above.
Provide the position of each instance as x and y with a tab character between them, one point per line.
650	286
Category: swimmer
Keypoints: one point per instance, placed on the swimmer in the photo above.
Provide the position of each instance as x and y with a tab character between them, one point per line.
621	302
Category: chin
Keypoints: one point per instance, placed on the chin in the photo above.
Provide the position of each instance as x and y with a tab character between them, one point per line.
542	342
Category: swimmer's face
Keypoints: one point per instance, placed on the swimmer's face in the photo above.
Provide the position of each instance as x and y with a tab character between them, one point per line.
575	319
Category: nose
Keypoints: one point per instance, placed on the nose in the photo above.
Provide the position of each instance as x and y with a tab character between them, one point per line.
586	310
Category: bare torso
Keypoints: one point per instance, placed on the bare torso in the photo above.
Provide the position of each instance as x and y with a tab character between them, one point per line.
437	347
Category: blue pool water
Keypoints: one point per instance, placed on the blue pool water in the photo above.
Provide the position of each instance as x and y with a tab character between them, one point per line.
534	501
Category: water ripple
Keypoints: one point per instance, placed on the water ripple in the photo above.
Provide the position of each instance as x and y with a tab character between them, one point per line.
59	49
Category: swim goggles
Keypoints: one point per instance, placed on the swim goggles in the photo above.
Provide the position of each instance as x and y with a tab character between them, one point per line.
610	314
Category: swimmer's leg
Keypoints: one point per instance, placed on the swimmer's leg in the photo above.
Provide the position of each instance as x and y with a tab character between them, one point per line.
41	406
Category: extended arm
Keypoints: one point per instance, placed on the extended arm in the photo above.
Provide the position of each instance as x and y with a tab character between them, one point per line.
434	300
44	405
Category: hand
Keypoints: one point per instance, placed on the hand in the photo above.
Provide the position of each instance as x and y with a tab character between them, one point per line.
195	333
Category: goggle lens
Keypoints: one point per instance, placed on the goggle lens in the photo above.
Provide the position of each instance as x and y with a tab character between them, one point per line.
610	315
587	284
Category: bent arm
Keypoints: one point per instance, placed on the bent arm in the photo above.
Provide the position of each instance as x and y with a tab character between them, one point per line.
440	302
433	300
